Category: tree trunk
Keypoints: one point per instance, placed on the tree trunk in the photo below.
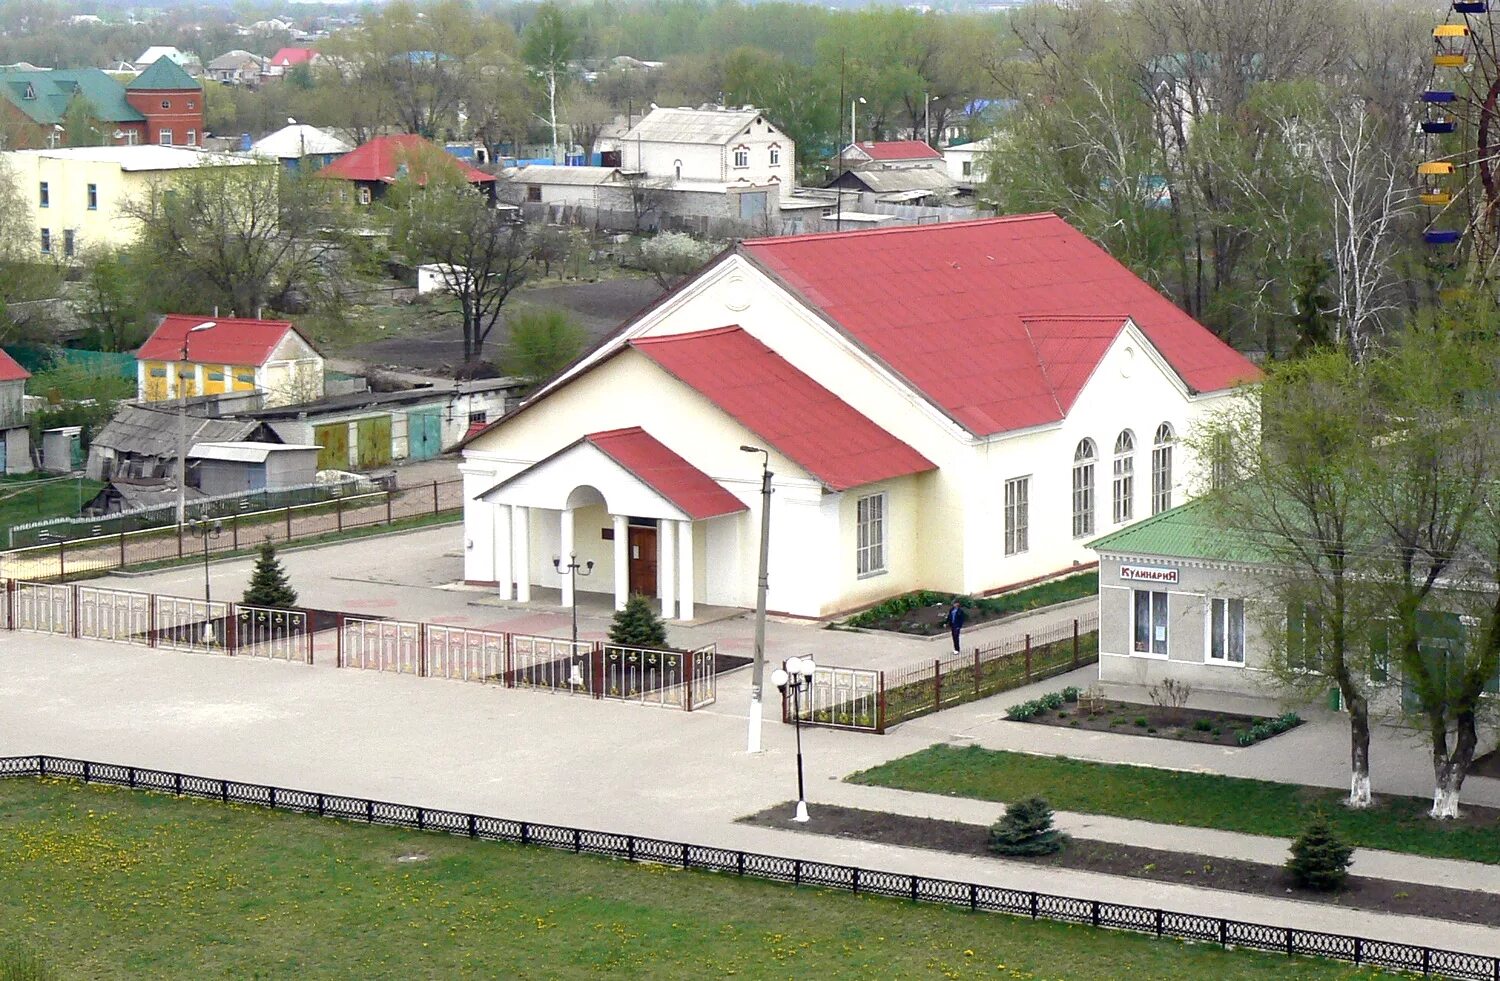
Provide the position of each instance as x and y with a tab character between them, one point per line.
1449	770
552	111
1359	750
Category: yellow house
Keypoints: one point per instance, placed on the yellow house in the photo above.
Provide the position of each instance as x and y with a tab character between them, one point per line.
80	196
192	355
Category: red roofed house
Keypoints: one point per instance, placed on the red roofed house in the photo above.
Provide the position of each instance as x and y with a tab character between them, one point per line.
960	407
15	437
892	153
286	59
378	164
229	355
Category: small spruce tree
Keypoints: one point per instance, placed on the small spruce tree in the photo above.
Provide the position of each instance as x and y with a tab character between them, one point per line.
1320	858
638	625
268	582
1026	829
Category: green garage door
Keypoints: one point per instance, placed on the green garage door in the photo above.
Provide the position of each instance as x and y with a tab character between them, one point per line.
424	433
373	442
334	440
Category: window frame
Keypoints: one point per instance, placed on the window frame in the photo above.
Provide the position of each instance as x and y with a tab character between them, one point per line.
70	243
741	157
1162	446
1221	633
44	194
1017	533
870	551
1122	484
1153	627
46	241
192	137
164	137
91	197
1085	457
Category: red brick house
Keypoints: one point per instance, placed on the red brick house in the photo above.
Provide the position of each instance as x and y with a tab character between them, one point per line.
171	101
163	100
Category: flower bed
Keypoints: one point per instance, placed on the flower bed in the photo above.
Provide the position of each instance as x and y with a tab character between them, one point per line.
1063	708
922	612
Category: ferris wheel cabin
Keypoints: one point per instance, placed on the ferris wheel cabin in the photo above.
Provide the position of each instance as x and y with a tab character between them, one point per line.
1452	45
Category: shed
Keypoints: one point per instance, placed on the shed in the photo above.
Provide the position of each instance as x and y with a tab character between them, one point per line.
232	468
62	449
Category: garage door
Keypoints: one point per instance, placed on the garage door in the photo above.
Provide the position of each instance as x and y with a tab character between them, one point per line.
334	440
374	442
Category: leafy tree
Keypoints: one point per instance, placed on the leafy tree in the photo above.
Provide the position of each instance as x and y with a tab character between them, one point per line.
671	257
1312	304
1320	858
638	625
1026	829
439	218
540	343
110	303
547	45
80	126
269	585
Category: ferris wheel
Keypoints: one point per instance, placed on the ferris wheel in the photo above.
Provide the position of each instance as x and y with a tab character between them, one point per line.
1459	172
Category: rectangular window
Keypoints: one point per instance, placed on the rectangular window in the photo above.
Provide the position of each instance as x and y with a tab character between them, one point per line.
869	552
1083	500
68	242
93	197
46	241
1223	461
1304	638
742	156
1017	514
533	193
164	137
1226	631
364	195
1150	622
775	155
1161	478
44	196
1124	488
192	137
480	417
968	168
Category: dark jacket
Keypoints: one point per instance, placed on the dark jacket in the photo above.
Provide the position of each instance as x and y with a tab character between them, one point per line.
955	616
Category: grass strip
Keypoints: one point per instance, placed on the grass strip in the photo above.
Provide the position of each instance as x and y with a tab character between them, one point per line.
106	882
1200	800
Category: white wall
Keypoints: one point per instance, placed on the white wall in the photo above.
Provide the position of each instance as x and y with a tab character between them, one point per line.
715	162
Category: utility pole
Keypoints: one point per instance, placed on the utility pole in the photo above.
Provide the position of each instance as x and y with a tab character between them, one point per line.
758	671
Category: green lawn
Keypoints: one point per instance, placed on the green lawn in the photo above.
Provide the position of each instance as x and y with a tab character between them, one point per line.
23	500
1201	800
114	883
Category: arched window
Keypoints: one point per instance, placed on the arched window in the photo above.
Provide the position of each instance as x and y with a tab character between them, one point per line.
1124	485
1161	469
1083	488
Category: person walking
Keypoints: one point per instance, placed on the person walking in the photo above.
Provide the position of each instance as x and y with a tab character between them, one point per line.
955	618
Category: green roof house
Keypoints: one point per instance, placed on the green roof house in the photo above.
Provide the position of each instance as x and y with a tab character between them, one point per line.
163	105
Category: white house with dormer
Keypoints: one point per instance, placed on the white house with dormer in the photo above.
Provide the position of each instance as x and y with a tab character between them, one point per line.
734	147
960	407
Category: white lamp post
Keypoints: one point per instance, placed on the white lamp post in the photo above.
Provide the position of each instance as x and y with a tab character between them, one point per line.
854	115
182	426
796	673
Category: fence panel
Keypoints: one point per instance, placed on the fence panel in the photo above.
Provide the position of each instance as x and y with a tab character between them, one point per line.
43	607
552	663
465	655
652	677
841	698
382	645
705	687
114	614
281	635
195	625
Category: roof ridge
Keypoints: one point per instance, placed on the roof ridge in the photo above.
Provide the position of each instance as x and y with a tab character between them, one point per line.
1042	367
900	229
1146	522
1106	317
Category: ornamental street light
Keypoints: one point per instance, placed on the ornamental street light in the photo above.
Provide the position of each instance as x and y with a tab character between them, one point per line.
758	671
206	530
854	117
182	425
796	674
573	569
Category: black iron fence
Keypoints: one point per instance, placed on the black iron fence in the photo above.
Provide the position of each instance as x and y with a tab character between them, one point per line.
1195	927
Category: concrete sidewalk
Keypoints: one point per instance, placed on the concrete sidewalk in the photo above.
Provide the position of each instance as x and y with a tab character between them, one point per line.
574	761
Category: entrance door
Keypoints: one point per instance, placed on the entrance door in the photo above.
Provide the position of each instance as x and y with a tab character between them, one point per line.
643	561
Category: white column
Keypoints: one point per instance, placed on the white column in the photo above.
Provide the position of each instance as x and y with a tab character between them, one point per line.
666	567
503	551
565	526
622	560
520	533
685	569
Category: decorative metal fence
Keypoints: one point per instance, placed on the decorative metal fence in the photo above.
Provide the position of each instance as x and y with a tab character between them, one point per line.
676	679
870	701
112	614
1196	927
281	635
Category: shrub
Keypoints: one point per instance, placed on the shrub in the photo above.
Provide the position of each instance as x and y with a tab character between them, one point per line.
1320	858
1203	725
1169	693
1026	829
1070	693
1140	721
638	625
540	342
1051	700
1024	712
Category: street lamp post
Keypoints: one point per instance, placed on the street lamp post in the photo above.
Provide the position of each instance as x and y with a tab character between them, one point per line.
574	570
758	671
206	530
853	116
796	673
182	426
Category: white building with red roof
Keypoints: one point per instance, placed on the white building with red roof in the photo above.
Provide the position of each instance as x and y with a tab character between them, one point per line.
193	355
891	153
958	407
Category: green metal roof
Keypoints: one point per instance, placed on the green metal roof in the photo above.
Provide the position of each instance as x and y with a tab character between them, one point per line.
51	92
1185	532
163	74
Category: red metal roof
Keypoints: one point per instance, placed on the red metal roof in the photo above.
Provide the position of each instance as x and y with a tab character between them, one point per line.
779	404
996	321
287	57
10	371
381	160
689	488
229	341
899	150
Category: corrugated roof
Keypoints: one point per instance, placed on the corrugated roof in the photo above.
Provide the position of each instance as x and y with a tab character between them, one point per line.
234	59
945	307
784	407
299	140
53	90
549	174
143	431
163	75
287	57
895	179
714	126
242	451
230	341
382	158
1184	532
898	150
675	479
